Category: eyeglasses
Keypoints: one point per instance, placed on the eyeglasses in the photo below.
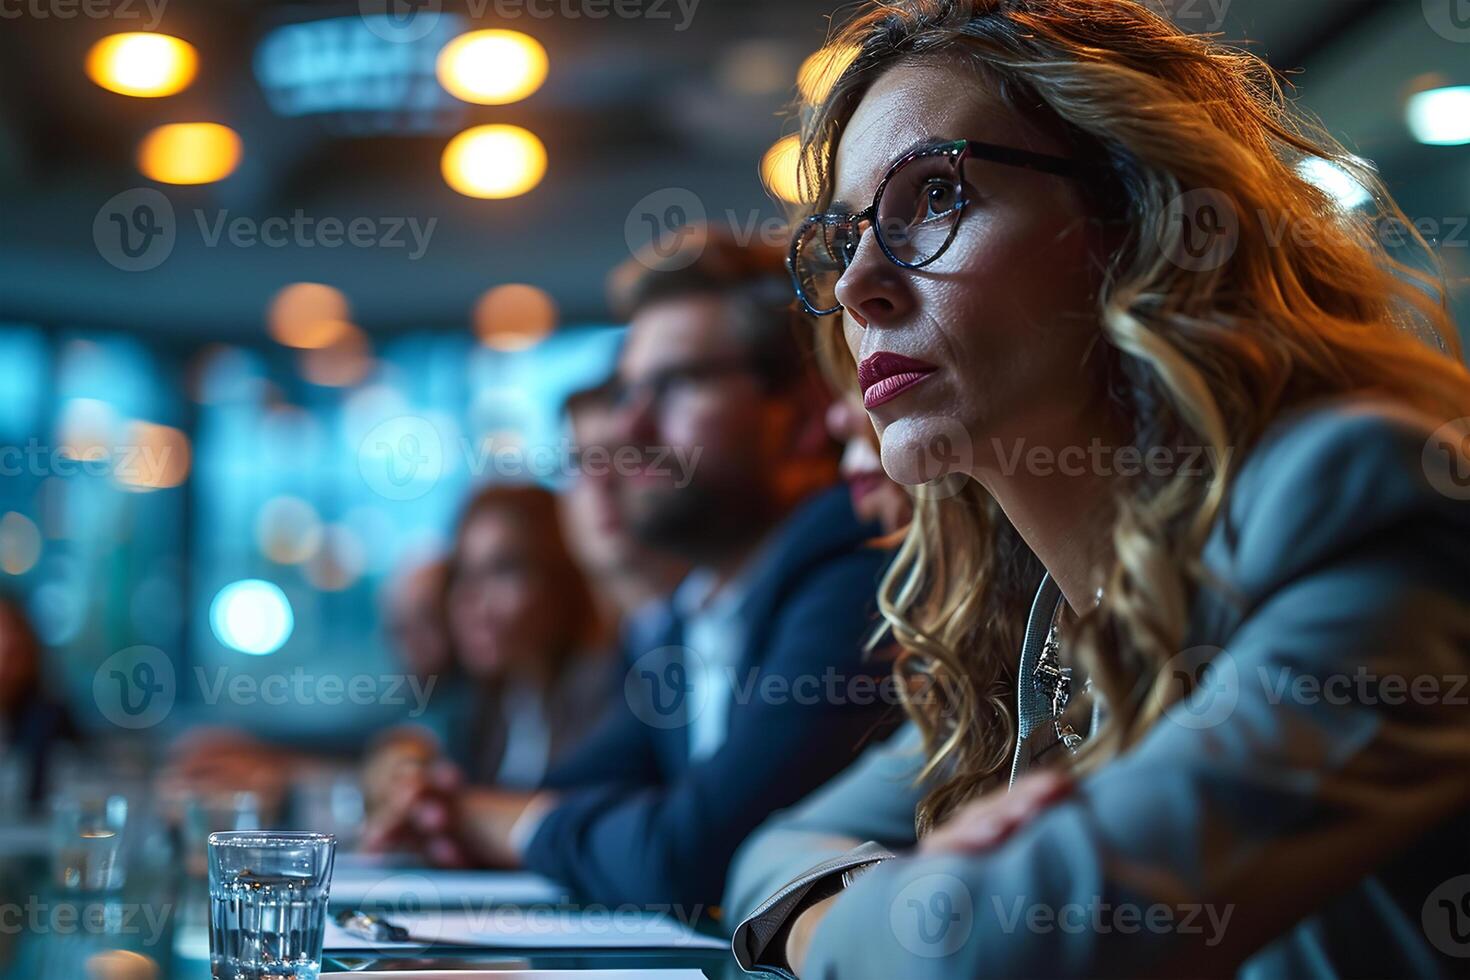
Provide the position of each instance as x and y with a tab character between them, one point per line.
668	382
914	216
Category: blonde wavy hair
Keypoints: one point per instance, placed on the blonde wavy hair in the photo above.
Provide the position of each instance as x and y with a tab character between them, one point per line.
1195	358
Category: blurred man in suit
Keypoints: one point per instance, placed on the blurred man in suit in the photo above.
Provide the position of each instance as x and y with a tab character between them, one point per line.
754	690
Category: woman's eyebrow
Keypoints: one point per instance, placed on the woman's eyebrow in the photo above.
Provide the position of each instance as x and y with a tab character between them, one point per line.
922	143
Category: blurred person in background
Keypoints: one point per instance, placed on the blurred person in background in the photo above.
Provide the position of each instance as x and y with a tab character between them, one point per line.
33	721
874	798
525	631
717	393
631	581
415	621
875	497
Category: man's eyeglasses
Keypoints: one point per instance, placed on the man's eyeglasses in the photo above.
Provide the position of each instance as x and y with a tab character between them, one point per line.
914	216
668	382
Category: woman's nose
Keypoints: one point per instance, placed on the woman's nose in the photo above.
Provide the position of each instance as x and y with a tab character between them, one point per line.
872	289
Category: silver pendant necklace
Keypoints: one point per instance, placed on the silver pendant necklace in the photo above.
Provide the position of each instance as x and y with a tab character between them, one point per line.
1053	682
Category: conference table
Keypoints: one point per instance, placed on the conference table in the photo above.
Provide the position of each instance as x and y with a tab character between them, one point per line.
156	926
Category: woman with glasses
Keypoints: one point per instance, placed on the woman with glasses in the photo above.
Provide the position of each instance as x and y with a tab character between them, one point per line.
1224	675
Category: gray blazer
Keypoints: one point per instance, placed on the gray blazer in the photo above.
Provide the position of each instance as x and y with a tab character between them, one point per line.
1306	812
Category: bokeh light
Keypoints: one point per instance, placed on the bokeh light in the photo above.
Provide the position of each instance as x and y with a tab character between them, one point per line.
20	544
156	457
492	67
189	153
1441	116
514	316
85	430
779	170
494	161
820	71
252	616
1336	182
309	315
121	964
142	64
288	530
757	67
346	361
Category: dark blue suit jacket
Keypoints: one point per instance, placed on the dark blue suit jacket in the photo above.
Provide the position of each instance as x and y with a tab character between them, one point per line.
636	821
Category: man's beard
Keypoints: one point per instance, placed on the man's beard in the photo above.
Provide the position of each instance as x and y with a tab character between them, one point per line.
700	522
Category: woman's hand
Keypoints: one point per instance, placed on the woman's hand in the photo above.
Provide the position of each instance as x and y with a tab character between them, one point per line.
988	821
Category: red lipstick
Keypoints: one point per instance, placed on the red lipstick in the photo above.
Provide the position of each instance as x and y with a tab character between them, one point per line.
884	376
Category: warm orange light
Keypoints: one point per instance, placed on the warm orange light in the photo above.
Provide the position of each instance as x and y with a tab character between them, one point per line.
492	67
514	316
494	161
189	153
780	173
20	544
157	457
820	71
309	315
142	64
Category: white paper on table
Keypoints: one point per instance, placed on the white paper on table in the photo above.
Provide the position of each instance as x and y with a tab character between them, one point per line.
529	975
412	889
543	928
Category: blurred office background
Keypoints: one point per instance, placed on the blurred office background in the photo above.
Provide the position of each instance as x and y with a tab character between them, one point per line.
249	369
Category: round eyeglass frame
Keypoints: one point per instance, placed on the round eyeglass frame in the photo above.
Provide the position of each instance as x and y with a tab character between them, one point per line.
958	151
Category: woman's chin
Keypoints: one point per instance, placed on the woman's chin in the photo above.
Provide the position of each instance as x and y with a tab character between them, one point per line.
921	450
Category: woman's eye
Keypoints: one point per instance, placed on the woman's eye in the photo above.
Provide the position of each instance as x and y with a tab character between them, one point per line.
940	198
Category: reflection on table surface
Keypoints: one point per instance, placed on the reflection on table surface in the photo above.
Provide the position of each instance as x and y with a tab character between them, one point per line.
155	927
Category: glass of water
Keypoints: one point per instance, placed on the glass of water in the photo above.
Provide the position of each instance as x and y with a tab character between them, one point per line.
87	841
268	904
